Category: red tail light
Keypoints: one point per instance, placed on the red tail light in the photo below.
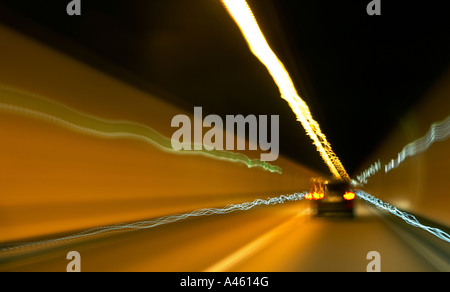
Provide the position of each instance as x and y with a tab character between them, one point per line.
348	196
318	196
315	196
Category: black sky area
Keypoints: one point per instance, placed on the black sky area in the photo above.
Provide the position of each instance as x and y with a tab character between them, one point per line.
358	73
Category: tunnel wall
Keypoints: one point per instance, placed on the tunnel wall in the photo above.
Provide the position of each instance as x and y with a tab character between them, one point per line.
54	180
421	183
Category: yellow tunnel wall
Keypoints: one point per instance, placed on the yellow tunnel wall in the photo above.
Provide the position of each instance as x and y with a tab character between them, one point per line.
54	180
421	183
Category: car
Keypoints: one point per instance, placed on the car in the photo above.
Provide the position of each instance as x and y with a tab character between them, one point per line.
332	197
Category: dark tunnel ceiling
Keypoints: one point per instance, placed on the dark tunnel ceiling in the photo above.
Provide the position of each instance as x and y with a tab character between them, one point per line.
359	74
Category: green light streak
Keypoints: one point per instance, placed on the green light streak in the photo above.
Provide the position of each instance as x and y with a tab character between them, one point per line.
32	106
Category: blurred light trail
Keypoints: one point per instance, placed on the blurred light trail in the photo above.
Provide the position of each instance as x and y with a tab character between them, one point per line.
129	227
408	218
438	132
372	170
29	105
242	14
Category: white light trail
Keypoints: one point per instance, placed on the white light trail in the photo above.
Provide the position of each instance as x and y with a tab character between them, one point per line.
129	227
408	218
438	132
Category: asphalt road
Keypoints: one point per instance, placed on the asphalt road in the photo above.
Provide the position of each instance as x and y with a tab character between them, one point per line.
266	239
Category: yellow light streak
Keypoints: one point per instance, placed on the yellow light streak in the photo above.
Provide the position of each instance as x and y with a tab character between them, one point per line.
241	12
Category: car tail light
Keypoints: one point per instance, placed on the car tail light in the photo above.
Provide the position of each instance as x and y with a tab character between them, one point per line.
348	196
314	196
318	196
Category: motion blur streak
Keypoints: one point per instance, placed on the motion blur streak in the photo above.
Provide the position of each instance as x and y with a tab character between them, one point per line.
26	104
403	215
153	223
242	14
438	132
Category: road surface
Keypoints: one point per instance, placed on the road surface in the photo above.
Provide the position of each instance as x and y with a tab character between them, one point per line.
283	238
